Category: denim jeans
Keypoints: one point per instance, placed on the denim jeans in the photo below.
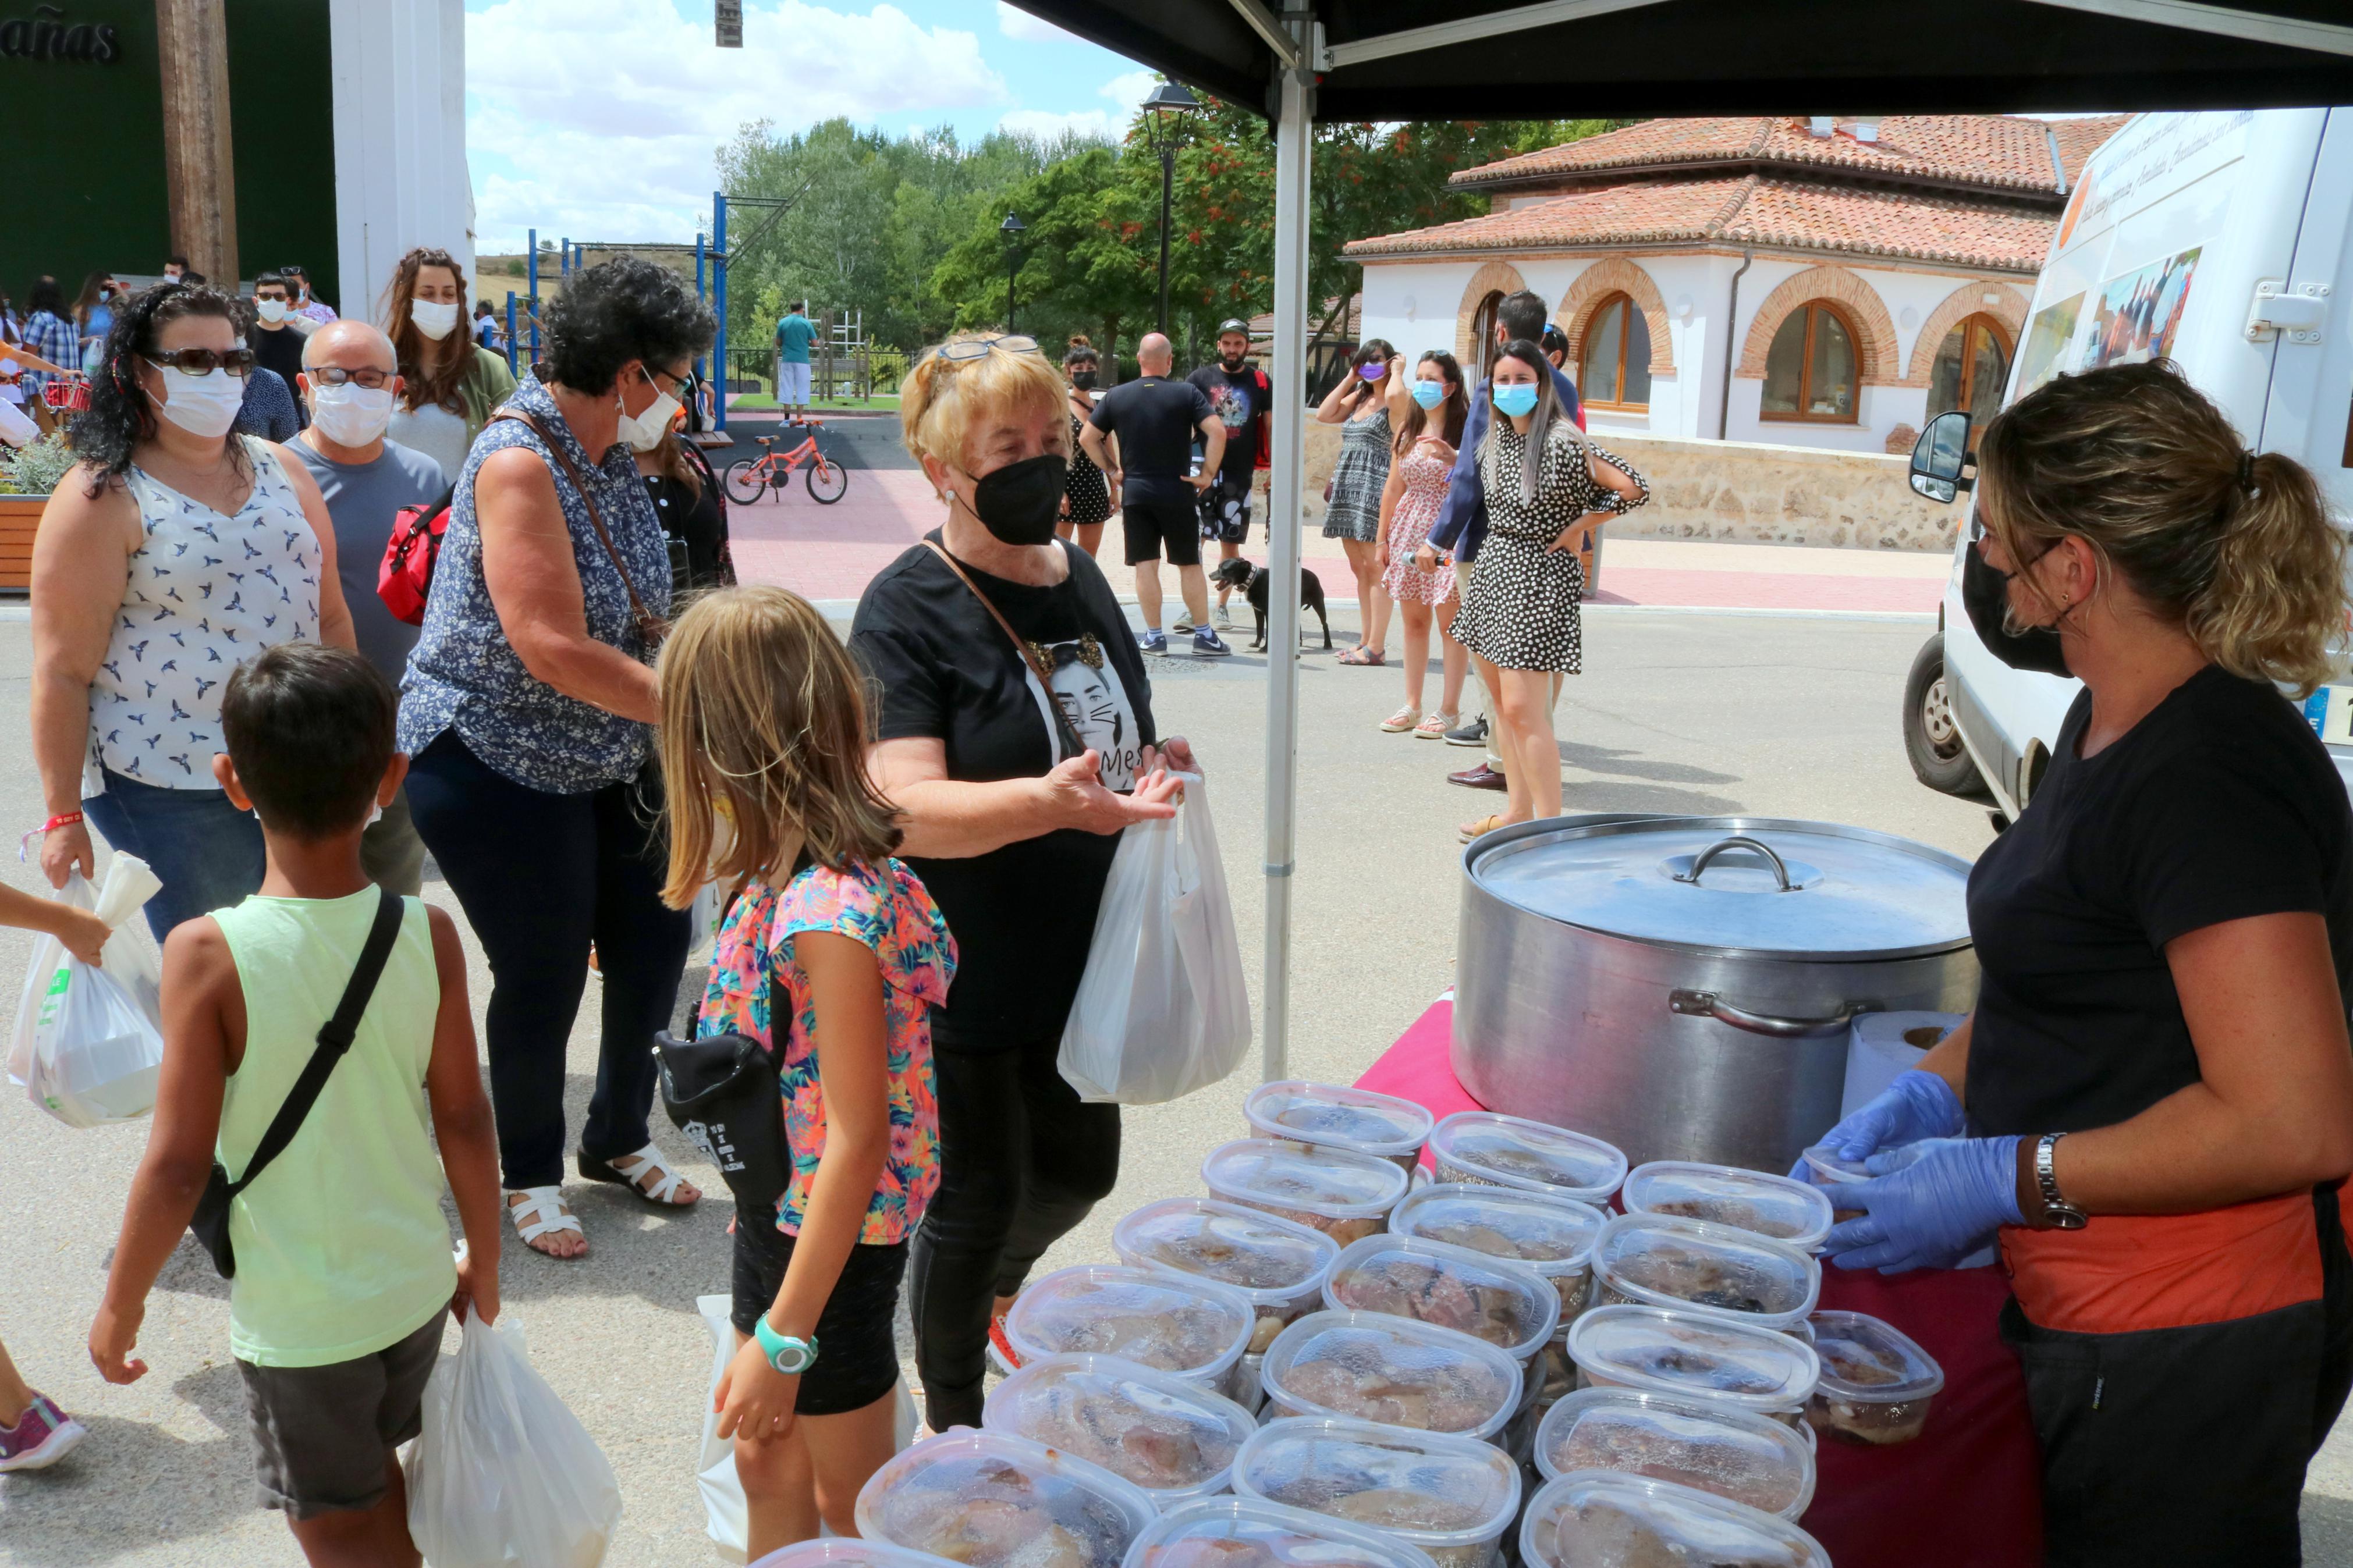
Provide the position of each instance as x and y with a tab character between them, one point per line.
207	852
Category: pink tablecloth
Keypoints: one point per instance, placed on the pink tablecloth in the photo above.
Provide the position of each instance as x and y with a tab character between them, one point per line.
1969	1493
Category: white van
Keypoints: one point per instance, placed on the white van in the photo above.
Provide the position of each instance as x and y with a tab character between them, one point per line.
2224	241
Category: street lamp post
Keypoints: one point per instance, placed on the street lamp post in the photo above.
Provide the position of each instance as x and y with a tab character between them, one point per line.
1010	231
1164	114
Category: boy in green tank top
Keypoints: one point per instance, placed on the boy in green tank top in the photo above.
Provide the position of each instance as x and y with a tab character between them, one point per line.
343	1272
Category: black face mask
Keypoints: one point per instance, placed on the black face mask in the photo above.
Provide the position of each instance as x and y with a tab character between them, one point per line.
1020	503
1084	380
1985	594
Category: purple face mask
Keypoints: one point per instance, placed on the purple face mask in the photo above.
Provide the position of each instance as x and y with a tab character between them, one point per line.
1372	371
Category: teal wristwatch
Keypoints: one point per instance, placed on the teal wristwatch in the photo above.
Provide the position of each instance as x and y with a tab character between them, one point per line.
786	1355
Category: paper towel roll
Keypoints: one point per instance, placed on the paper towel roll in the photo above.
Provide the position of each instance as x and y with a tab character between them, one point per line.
1882	1045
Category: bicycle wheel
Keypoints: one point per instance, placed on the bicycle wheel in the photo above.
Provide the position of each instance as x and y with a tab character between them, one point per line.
827	482
744	480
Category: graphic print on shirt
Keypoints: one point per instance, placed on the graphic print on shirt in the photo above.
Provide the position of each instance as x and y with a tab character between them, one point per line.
1233	406
1092	695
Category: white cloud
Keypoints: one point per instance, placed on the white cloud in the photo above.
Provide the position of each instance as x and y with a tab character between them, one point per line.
609	111
1019	24
1130	87
1046	125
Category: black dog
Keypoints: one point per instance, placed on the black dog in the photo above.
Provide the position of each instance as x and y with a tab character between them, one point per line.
1240	574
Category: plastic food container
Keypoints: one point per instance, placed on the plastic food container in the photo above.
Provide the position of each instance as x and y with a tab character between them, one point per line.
1453	1497
1659	1352
1876	1383
1346	1196
1172	1322
1173	1438
1329	1116
1552	1235
1513	1309
1244	1532
1508	1152
1797	1213
1366	1366
835	1553
1599	1518
988	1501
1699	1443
1277	1265
1659	1260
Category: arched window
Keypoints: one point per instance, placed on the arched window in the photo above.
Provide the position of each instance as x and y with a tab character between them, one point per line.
1482	336
1615	369
1812	371
1972	367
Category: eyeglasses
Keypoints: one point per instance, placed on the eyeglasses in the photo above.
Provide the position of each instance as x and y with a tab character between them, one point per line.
679	383
238	362
336	375
977	348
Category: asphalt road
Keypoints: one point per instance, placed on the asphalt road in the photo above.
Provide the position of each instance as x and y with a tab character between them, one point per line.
1771	715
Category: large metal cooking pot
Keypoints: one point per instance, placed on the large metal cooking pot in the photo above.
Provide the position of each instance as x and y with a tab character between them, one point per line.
1682	986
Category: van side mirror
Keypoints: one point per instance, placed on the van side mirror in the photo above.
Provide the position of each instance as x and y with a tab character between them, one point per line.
1939	457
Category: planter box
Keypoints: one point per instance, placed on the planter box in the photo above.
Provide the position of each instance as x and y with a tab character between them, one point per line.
20	515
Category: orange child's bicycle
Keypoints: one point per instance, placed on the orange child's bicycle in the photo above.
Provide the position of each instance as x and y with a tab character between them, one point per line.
828	482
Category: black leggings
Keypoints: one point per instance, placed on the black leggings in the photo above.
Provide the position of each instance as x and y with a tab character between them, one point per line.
1022	1159
539	876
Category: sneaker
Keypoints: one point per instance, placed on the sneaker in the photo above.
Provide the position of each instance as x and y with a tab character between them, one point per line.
1474	734
1152	641
1001	1354
1183	625
1208	644
41	1437
1225	621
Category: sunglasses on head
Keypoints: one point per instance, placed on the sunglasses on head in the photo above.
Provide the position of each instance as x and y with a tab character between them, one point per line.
203	361
977	348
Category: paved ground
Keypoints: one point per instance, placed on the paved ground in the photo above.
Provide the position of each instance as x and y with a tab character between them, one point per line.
1776	715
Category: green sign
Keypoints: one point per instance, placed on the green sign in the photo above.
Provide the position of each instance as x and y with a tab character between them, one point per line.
49	33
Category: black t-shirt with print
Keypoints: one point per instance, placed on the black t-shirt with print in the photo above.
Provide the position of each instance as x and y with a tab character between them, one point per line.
1240	400
1155	419
1022	915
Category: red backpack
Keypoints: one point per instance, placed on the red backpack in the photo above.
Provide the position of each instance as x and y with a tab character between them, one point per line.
404	580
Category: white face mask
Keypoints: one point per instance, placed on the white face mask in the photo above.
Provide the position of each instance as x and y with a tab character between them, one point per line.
271	310
351	415
203	404
434	318
645	431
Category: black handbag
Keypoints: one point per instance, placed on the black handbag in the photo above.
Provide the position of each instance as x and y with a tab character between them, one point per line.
721	1091
210	1222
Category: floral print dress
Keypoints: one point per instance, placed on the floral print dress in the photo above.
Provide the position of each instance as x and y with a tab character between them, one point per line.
1425	471
886	909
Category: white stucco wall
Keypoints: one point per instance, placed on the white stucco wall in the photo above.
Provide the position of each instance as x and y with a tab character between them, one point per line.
399	93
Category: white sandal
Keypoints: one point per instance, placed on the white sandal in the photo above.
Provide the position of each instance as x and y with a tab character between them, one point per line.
627	1171
1404	719
543	1214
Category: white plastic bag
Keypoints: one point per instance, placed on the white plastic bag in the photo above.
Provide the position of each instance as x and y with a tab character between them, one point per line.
1161	1009
503	1475
16	430
89	1042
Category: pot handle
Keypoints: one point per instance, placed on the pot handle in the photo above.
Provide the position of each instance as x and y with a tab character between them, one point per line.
1737	841
1708	1004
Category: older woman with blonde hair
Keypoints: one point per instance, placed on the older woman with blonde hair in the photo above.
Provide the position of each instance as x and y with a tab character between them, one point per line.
1016	738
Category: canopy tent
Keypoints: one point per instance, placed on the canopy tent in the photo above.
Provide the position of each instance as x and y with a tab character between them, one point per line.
1388	59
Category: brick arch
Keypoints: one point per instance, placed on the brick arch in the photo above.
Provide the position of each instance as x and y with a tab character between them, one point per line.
1963	302
1857	301
1615	274
1492	278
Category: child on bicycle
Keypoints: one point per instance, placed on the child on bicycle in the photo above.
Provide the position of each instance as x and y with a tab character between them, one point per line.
762	742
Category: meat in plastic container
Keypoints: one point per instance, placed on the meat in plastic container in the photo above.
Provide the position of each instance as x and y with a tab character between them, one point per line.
832	1552
1368	1366
1453	1497
1343	1196
1511	1151
1797	1213
1659	1260
988	1501
1552	1235
1171	1436
1244	1532
1600	1518
1514	1308
1700	1443
1171	1322
1330	1116
1876	1383
1687	1353
1280	1266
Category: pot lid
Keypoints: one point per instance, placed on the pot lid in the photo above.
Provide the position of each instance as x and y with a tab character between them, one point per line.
1733	884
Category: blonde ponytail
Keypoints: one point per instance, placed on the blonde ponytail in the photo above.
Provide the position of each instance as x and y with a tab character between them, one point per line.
2276	605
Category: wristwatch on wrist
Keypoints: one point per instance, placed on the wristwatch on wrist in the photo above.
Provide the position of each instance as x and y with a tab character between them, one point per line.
788	1356
2057	1211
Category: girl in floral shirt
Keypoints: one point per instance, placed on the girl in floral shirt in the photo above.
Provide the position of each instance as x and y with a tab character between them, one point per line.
832	955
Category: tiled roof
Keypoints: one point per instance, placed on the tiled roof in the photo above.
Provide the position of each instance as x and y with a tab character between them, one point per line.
2000	152
1802	215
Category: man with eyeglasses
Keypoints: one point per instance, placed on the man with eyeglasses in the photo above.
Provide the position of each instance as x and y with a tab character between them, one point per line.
348	379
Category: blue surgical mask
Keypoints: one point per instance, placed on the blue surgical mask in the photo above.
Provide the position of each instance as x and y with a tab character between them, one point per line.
1429	393
1515	401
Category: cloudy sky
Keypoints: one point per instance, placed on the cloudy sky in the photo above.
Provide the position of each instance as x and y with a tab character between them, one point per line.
596	119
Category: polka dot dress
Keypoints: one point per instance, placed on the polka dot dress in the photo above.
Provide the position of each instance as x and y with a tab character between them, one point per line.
1521	609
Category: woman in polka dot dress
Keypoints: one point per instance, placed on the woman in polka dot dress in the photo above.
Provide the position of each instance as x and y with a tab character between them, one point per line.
1547	489
1428	413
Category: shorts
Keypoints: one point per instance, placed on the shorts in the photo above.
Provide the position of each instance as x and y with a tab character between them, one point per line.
793	383
323	1434
1226	511
857	1343
1151	522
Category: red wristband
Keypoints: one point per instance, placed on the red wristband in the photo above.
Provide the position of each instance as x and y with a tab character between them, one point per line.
63	819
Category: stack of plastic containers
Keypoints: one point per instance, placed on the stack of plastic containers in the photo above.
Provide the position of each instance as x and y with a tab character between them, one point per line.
1176	1439
988	1501
1511	1151
1171	1322
1453	1497
1553	1236
1475	1293
1330	1116
1280	1267
1368	1366
1345	1195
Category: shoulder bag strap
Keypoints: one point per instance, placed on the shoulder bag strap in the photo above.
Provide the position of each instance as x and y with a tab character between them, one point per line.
1026	654
652	627
335	1037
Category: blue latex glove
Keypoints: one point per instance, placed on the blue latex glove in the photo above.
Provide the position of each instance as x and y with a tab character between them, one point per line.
1916	1105
1933	1212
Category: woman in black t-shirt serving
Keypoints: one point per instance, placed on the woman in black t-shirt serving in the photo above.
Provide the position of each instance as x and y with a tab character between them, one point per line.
2152	1102
1014	770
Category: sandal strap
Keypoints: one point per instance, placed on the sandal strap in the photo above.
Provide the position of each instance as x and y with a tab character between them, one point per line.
643	1160
543	1215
